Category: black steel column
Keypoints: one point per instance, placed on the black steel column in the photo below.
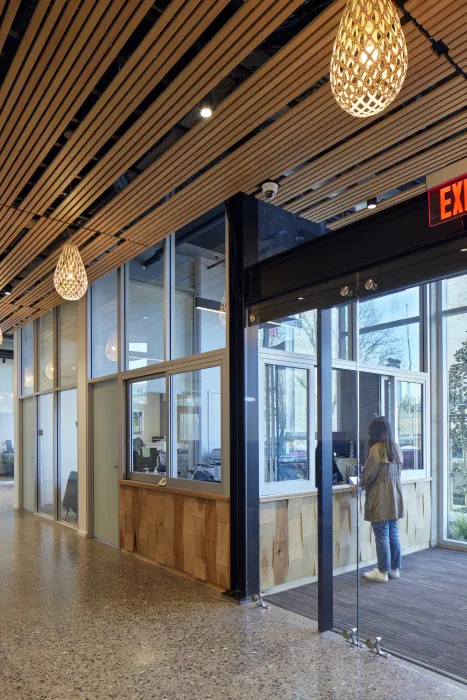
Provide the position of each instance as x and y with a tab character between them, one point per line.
242	213
324	471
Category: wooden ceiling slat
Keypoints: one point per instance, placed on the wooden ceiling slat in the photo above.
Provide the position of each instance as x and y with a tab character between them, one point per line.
230	30
415	144
426	162
175	102
33	68
379	135
150	62
23	49
148	197
384	204
8	18
118	24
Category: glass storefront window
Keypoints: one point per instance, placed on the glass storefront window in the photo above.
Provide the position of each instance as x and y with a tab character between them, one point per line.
455	292
286	417
410	423
27	359
148	425
196	425
145	309
46	351
68	333
389	330
68	456
297	333
104	336
199	318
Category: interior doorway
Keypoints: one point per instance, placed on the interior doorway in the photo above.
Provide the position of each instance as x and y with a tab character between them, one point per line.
105	461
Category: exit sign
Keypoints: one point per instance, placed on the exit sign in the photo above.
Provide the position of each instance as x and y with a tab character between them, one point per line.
448	201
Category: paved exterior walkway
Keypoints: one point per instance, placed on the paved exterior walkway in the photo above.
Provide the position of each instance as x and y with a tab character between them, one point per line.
80	620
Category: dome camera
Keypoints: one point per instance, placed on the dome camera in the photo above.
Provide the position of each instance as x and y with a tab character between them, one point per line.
270	189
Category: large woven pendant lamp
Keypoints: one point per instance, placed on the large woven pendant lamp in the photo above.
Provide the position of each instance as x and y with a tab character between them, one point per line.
1	336
70	277
369	60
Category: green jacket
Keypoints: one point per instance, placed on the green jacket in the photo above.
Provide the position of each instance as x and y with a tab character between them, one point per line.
382	482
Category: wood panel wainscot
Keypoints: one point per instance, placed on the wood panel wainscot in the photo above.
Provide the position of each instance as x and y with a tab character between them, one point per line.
189	533
289	526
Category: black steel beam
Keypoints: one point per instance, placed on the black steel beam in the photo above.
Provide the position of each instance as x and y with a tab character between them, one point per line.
324	470
242	213
387	236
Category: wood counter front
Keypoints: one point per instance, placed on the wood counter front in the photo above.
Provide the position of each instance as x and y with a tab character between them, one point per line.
185	530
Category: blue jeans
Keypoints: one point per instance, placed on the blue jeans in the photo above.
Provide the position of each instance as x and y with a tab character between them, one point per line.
388	546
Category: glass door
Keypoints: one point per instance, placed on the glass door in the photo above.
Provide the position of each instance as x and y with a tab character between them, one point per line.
28	442
45	455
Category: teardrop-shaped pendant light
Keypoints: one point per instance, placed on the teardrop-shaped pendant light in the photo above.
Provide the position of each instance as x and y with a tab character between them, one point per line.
369	60
49	370
223	312
70	277
111	348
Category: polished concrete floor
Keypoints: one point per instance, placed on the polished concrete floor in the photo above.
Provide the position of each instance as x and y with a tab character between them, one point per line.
80	620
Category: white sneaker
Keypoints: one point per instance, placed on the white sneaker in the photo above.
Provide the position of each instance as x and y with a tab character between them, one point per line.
394	573
376	575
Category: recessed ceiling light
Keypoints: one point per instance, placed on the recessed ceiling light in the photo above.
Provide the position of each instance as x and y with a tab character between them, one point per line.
371	203
206	112
300	298
145	318
463	250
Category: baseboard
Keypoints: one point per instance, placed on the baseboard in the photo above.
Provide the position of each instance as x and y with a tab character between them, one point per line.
83	533
288	585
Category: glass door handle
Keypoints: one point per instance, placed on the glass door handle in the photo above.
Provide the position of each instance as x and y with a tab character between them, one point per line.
116	466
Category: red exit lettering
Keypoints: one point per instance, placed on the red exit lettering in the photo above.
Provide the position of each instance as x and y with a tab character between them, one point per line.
453	199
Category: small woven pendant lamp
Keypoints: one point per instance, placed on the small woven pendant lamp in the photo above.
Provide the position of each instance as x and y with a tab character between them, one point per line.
111	348
369	59
70	277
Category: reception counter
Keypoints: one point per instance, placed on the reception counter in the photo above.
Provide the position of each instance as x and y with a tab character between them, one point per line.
183	530
288	532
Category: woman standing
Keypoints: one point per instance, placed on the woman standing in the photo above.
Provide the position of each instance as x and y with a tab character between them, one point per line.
384	505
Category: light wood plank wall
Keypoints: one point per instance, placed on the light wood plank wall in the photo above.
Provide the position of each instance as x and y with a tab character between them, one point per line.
289	526
187	533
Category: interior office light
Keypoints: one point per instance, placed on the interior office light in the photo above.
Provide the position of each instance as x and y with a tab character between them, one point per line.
206	107
70	279
49	370
369	59
371	203
111	348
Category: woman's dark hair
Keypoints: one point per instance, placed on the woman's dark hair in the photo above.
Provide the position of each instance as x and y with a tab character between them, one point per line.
380	432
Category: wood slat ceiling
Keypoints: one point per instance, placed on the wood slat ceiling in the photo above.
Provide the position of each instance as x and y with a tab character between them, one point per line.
93	87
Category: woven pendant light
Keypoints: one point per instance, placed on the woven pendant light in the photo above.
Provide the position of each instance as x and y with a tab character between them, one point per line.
369	60
1	336
28	377
70	277
111	348
49	370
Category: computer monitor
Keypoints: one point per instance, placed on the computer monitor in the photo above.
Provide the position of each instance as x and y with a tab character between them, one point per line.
339	444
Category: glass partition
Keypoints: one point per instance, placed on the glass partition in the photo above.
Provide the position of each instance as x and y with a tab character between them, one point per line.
67	342
199	303
148	404
27	359
196	442
104	326
68	456
145	309
47	368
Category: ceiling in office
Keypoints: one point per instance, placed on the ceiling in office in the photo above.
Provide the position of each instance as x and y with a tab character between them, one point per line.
101	138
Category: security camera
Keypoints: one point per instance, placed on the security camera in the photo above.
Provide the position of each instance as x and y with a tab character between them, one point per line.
270	189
